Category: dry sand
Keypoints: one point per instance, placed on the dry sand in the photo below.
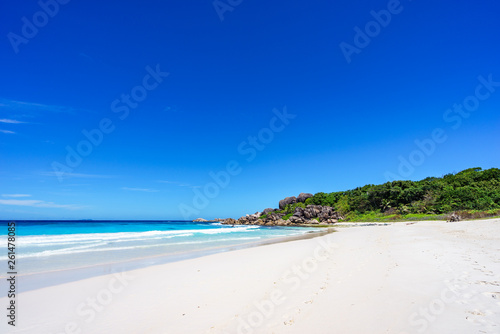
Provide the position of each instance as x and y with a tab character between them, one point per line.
427	277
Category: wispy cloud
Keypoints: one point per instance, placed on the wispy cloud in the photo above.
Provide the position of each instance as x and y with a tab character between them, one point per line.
10	121
16	195
86	56
38	204
22	106
140	189
7	131
171	109
180	184
79	175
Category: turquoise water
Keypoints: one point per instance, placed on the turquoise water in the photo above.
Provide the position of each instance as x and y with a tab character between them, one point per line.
43	246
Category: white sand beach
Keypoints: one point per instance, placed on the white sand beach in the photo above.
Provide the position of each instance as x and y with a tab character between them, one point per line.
426	277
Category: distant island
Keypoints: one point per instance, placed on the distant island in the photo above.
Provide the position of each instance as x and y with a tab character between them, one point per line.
470	194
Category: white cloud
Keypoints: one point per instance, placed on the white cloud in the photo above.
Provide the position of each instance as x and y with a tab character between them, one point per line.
140	189
10	121
7	131
16	195
180	184
21	106
80	175
37	204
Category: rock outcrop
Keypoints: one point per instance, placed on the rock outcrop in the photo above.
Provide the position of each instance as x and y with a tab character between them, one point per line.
303	196
266	211
272	219
454	217
318	213
292	200
202	220
310	215
230	221
286	201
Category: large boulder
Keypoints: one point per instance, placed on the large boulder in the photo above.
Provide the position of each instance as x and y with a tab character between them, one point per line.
243	221
303	196
296	220
275	216
266	211
299	212
286	201
272	218
281	222
200	220
313	211
454	217
301	216
249	220
324	213
255	215
327	212
230	221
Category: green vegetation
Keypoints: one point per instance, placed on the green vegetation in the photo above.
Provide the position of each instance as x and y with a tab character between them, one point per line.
473	193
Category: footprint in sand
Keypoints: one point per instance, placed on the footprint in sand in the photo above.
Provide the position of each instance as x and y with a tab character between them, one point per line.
474	313
494	295
496	283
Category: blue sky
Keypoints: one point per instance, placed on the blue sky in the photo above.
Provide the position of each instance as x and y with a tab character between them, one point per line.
274	98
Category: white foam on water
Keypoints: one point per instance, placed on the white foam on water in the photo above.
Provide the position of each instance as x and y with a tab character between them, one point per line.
91	248
99	242
68	239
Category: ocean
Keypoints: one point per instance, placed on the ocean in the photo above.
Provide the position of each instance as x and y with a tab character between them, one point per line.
51	246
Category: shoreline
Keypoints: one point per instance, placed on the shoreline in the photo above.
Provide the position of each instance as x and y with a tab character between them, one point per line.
427	277
38	280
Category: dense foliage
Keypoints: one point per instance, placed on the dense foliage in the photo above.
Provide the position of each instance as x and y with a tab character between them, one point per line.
471	189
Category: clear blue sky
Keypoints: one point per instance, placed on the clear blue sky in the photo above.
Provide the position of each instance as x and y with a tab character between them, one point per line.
356	102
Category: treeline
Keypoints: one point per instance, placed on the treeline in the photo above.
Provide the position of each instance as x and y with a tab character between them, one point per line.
472	189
